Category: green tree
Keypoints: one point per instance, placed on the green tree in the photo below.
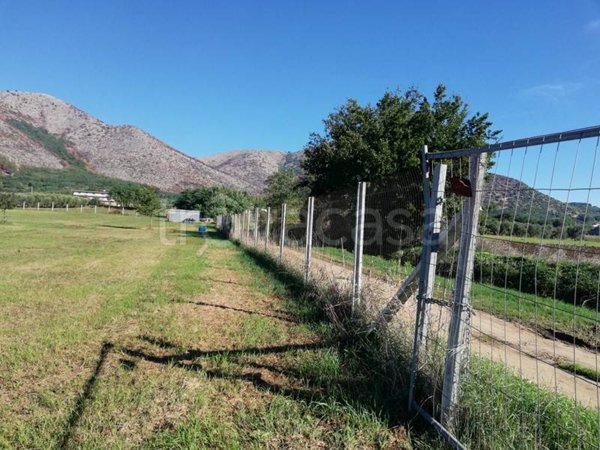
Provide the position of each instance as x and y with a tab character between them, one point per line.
371	143
147	202
8	201
215	200
284	187
126	194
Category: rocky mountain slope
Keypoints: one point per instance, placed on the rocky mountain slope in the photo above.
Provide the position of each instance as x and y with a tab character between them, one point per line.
509	197
250	165
123	152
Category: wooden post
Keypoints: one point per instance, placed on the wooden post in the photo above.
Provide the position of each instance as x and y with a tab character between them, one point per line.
81	208
282	234
431	230
359	231
309	232
38	206
52	206
268	228
23	205
67	207
95	209
460	323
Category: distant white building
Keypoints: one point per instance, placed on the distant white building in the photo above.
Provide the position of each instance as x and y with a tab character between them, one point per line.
102	197
180	215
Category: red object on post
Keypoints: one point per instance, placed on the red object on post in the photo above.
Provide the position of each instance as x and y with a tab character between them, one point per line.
460	186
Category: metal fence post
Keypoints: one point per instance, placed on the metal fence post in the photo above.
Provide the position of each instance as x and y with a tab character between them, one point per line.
248	223
267	228
460	324
309	232
282	233
243	229
358	244
256	214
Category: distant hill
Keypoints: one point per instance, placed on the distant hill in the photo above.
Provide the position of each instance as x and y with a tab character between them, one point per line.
252	166
507	197
32	124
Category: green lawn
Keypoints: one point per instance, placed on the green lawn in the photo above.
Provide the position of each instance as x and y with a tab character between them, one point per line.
112	338
588	241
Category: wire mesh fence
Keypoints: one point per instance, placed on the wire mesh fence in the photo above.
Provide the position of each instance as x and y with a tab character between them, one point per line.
488	261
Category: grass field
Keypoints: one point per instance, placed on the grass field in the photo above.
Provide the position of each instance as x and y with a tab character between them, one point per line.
541	313
111	338
587	241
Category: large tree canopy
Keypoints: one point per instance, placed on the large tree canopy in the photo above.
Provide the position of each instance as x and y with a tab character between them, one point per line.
284	187
216	200
370	143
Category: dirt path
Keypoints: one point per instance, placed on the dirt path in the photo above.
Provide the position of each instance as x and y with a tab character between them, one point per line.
529	354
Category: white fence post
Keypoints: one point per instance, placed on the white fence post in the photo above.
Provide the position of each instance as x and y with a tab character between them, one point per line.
95	209
67	207
38	206
433	203
359	231
23	205
267	228
309	233
122	210
431	231
52	206
282	233
256	215
460	323
248	217
81	208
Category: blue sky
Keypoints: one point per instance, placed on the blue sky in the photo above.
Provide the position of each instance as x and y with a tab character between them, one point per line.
212	76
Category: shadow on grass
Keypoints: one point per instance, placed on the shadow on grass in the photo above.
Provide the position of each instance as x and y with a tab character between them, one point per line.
313	388
375	386
84	397
121	227
210	234
245	311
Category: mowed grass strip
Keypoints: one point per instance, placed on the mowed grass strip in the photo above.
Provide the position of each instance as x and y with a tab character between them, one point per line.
113	339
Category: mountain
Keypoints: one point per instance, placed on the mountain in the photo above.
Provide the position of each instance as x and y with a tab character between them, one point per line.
506	196
43	132
252	166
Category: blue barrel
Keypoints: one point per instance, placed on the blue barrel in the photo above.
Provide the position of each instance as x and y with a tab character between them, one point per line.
202	229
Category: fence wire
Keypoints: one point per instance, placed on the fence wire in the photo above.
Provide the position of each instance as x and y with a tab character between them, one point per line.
504	338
